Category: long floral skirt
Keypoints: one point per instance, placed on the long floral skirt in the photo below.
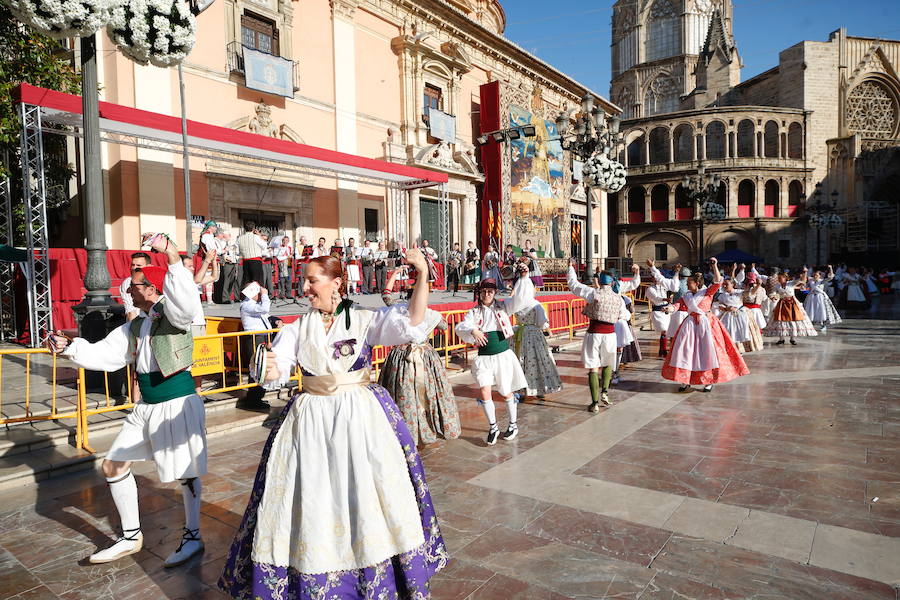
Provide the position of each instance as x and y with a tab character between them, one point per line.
414	376
537	362
755	341
401	577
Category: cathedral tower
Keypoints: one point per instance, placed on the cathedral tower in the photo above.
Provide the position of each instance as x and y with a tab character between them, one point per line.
657	46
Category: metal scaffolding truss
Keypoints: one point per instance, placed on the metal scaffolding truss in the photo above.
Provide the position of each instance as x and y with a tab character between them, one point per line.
7	269
443	248
37	240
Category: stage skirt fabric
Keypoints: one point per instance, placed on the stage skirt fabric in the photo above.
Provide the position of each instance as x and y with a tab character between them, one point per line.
789	320
282	552
755	342
703	353
736	323
820	309
414	376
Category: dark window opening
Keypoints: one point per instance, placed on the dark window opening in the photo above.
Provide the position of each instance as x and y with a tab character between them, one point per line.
370	216
784	248
731	245
662	252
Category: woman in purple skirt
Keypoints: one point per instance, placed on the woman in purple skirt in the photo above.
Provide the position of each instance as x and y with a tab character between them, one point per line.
339	507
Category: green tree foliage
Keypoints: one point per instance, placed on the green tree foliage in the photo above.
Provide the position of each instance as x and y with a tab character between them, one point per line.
26	56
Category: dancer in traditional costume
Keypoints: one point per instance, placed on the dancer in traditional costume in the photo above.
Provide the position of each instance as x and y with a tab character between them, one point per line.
752	296
628	349
487	325
818	305
702	352
788	317
490	268
531	347
472	266
768	283
534	268
677	284
339	507
168	425
414	376
598	351
660	307
853	293
729	308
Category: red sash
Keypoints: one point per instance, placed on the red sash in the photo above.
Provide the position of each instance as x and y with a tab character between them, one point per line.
601	327
746	305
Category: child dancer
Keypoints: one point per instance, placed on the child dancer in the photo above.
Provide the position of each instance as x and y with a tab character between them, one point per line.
532	349
788	317
702	352
818	305
752	297
487	325
660	307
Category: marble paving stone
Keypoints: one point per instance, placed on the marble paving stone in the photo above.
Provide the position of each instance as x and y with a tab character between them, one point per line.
14	576
569	571
604	535
458	529
775	535
863	554
707	520
675	482
459	580
39	593
500	587
666	586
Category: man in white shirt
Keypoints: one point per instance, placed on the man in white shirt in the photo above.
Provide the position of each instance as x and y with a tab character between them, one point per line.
367	258
282	254
321	249
227	285
251	247
138	261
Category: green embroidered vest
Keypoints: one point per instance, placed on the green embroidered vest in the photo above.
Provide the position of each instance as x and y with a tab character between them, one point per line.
173	348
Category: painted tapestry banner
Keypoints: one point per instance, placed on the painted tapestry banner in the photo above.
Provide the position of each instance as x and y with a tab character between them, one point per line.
537	185
268	73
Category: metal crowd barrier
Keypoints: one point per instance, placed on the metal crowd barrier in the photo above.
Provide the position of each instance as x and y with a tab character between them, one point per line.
220	359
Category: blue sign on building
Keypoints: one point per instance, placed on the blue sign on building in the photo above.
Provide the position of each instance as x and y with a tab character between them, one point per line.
268	73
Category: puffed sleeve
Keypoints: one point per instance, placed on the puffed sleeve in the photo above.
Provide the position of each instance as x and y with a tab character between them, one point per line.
540	317
465	327
578	288
711	290
109	354
522	296
391	326
286	346
182	299
629	285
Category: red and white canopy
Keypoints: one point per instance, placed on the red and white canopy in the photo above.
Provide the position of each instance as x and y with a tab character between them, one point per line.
123	124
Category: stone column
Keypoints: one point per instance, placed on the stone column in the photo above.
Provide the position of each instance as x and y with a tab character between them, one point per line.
782	199
648	204
732	200
623	206
760	201
671	212
468	219
415	220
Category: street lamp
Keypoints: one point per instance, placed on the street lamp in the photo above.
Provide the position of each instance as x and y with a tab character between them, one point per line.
701	189
822	216
593	134
504	135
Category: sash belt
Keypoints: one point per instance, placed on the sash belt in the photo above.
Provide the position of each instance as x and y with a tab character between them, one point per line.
601	327
331	385
748	305
659	307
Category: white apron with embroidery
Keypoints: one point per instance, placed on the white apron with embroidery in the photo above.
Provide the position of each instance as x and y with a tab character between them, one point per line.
338	493
694	348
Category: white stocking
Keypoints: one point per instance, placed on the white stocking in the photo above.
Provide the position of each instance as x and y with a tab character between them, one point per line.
124	493
489	411
512	408
191	502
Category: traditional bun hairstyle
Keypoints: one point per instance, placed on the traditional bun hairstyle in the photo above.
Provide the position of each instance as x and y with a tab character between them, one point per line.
698	279
334	268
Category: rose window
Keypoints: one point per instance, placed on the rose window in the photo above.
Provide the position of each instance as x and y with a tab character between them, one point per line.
871	111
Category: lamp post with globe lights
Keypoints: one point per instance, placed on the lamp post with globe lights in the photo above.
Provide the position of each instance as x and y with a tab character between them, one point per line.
592	138
701	189
822	216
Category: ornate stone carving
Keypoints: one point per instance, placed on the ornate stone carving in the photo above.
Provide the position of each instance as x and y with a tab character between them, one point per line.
344	9
663	9
441	155
262	123
871	110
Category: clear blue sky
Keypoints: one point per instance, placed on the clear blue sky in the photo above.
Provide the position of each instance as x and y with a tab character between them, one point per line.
574	35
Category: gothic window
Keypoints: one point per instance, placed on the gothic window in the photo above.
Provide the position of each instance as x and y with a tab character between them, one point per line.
663	31
684	142
770	139
745	135
625	100
872	110
659	146
795	141
715	140
662	96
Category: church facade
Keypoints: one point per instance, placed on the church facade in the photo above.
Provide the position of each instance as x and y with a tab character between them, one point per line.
826	114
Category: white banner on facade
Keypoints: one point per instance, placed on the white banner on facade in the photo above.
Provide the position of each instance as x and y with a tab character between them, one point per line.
268	73
441	125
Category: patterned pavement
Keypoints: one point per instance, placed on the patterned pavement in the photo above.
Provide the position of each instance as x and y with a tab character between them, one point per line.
764	488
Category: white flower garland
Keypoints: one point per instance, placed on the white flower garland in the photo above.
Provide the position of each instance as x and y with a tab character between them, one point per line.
63	18
603	172
159	32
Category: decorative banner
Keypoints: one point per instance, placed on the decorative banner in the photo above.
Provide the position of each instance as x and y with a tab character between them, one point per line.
268	73
441	125
209	357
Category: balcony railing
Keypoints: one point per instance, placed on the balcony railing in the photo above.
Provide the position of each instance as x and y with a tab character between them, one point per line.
235	52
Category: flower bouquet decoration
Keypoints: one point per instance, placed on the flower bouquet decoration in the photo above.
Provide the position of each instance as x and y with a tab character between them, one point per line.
63	18
158	32
712	211
603	172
